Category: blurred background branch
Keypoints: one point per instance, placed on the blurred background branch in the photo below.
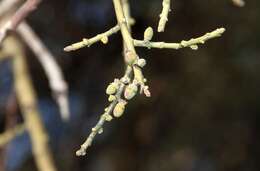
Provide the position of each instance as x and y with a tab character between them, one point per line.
28	105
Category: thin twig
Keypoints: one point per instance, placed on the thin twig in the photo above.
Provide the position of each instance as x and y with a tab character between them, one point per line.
133	76
18	17
7	5
98	128
122	83
127	14
103	37
28	103
11	133
192	43
54	74
166	4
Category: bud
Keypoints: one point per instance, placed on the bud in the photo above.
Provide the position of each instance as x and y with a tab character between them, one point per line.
147	92
125	79
141	62
100	131
119	109
194	47
111	98
107	116
111	88
130	91
148	34
130	57
138	75
104	39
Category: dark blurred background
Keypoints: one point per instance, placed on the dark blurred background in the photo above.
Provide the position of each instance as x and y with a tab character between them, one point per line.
204	108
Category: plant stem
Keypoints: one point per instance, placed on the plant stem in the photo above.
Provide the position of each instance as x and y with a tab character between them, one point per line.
164	15
192	43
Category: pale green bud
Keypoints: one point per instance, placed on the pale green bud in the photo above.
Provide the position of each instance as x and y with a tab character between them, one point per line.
194	47
100	131
138	75
104	39
146	91
130	91
111	98
141	62
108	117
119	109
111	88
148	34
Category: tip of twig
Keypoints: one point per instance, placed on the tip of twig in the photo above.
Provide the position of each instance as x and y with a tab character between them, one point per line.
221	30
68	48
81	152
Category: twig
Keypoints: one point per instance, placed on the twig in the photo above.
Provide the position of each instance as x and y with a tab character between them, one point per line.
28	103
103	37
192	43
104	117
117	106
57	82
239	3
128	41
11	133
18	17
164	15
127	14
7	5
133	77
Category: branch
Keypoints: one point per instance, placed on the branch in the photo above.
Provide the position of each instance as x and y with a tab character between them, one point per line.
18	17
124	86
133	79
103	37
7	5
28	103
57	82
164	15
192	43
11	133
107	115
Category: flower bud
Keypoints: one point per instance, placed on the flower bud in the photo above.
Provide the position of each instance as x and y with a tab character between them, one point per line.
111	98
100	131
194	47
125	79
119	109
141	62
148	34
111	88
104	39
107	116
138	75
130	91
147	92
